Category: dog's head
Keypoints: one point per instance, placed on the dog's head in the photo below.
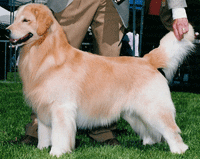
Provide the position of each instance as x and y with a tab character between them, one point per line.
32	21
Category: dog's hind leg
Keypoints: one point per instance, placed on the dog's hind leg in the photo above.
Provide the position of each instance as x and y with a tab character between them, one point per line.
44	135
63	129
171	132
162	121
141	129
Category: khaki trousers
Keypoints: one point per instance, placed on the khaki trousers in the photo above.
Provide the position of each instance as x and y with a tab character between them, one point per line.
107	29
101	15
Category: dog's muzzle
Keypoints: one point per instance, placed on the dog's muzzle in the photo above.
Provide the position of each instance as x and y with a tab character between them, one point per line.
17	41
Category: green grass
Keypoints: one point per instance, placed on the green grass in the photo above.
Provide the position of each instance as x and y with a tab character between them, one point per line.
13	77
14	115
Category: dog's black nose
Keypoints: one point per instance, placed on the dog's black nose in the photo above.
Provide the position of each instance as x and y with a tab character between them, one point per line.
7	33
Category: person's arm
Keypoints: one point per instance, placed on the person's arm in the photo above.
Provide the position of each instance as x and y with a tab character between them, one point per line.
176	4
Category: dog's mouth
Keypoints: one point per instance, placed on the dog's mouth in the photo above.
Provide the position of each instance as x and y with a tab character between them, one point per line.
22	39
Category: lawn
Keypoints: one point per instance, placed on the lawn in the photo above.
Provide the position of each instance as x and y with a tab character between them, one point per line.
14	115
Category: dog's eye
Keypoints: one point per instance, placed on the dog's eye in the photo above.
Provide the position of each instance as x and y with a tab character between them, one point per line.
26	20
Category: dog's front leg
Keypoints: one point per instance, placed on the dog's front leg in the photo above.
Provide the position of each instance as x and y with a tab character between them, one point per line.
44	135
63	129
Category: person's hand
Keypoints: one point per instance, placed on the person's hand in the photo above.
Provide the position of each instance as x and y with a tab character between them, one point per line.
180	27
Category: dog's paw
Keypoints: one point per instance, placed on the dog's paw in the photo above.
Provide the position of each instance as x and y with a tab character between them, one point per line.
179	149
148	141
41	146
55	151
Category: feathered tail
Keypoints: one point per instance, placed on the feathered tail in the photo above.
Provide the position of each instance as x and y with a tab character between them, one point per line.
171	52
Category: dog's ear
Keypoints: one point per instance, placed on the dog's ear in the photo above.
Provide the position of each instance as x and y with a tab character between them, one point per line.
44	20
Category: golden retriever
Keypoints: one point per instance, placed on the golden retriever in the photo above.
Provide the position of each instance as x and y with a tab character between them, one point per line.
68	88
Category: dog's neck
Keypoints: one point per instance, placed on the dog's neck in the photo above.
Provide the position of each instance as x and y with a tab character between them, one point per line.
34	55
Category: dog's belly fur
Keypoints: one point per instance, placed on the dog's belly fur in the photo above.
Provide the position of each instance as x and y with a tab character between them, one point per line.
85	121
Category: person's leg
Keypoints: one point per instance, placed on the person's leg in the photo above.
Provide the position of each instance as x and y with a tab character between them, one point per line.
75	31
108	29
76	19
